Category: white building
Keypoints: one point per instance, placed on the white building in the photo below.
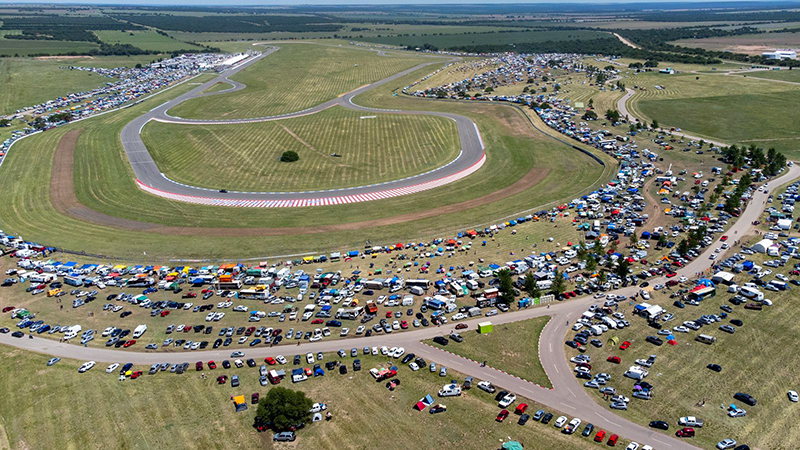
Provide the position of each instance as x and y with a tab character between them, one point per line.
780	54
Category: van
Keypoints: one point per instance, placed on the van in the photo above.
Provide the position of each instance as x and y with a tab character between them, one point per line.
139	331
734	288
416	290
705	339
636	373
450	390
596	330
475	311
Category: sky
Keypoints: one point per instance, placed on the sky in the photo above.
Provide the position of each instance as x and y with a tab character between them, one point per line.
341	2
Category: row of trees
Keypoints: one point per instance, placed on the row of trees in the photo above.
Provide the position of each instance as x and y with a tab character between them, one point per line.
771	162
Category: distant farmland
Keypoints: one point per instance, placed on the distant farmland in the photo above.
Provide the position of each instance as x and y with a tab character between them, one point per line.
751	44
513	37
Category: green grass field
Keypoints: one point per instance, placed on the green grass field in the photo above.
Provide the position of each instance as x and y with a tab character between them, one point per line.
28	81
65	408
18	47
730	108
145	40
511	347
104	182
754	360
372	149
782	75
294	78
512	37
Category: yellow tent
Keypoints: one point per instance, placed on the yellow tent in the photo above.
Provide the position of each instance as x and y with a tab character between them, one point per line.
240	403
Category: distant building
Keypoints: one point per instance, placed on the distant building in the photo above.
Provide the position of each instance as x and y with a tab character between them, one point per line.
780	54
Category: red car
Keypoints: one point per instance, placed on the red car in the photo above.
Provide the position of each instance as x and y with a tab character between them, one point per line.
614	359
222	379
388	314
612	441
250	331
685	432
270	360
461	326
521	408
600	436
129	343
317	321
136	374
212	365
502	416
254	398
724	238
198	366
164	313
625	345
7	309
671	274
190	295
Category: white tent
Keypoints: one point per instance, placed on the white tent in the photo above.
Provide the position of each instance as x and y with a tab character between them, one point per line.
762	246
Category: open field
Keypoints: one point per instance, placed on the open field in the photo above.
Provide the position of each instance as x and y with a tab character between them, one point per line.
189	412
296	77
372	149
501	37
27	81
353	30
783	75
754	360
751	44
19	47
583	91
145	40
104	184
730	108
512	347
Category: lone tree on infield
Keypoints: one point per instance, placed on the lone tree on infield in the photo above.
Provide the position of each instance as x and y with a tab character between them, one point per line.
282	408
290	156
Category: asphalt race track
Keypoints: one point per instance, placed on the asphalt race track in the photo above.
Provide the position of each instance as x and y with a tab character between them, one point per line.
150	179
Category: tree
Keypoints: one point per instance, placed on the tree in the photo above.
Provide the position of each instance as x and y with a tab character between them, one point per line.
506	287
622	268
612	115
602	277
559	285
282	408
531	287
290	156
589	115
654	124
662	240
634	238
591	264
683	247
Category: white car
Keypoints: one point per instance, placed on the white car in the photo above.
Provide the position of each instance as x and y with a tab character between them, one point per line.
281	359
210	316
108	331
400	351
240	308
360	329
560	422
793	396
413	366
112	368
726	444
385	351
632	446
507	400
86	366
395	325
310	358
681	329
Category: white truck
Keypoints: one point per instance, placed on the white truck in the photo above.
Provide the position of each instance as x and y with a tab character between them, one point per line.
139	331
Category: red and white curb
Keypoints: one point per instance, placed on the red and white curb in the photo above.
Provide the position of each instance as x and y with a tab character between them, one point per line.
488	366
323	201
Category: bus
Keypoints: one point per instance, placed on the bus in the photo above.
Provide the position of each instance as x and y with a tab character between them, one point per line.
425	284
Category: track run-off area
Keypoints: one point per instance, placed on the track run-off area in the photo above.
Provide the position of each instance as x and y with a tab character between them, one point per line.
150	179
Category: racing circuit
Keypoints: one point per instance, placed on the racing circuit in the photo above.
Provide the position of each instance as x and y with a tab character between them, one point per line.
150	179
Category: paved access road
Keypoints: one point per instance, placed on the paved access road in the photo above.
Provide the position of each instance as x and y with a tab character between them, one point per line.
150	178
567	394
